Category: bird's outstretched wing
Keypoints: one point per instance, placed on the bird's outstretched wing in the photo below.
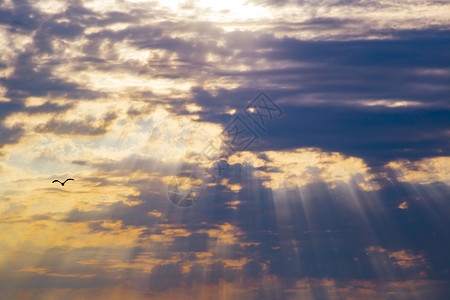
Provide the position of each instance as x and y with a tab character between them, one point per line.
56	180
68	179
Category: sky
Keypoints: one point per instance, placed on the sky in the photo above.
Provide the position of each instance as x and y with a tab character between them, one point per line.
239	149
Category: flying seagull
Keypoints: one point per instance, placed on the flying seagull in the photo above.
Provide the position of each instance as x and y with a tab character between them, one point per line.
62	183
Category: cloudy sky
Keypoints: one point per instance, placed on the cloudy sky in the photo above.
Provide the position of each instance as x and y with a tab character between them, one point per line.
338	189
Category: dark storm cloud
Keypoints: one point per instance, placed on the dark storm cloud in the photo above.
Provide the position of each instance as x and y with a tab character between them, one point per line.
186	48
134	33
84	127
211	273
10	135
252	269
195	242
430	51
330	28
164	277
76	12
400	68
191	52
21	17
119	211
7	108
26	81
156	35
33	76
224	99
378	135
342	85
25	17
50	30
48	107
328	22
410	67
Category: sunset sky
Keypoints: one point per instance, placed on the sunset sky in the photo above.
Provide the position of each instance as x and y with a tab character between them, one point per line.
342	193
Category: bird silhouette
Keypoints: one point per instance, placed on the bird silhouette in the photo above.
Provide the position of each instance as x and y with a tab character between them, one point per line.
62	183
